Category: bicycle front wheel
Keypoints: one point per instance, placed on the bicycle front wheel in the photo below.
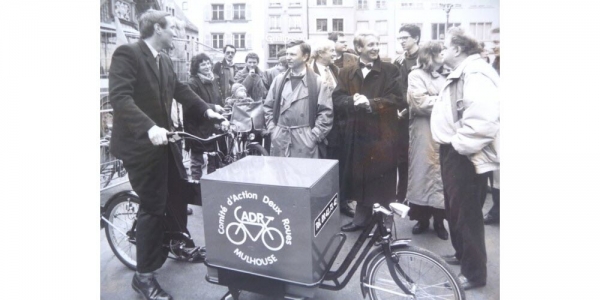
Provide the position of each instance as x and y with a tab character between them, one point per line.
122	214
423	273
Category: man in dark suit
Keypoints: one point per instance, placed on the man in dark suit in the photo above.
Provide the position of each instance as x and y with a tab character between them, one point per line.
369	93
142	86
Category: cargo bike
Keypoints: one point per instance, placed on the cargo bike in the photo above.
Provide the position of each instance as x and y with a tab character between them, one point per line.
272	228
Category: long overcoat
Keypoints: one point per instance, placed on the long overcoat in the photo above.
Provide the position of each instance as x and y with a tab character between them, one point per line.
369	137
209	92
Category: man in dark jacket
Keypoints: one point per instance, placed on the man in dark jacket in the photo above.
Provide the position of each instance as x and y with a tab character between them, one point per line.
225	71
368	92
142	86
409	38
251	77
345	57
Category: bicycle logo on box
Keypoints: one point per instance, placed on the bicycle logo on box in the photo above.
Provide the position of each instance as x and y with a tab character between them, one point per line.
248	226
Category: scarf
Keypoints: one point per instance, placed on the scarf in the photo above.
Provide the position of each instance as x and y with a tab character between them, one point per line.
207	79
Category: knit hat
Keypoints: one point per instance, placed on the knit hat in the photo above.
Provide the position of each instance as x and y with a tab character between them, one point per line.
235	87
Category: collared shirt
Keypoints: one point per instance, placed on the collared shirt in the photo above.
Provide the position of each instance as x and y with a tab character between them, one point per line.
365	70
326	72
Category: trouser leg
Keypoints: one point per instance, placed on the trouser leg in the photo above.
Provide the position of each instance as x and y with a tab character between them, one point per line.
463	191
197	160
176	213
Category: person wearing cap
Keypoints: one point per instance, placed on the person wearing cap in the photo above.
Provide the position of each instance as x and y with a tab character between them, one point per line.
251	77
369	94
344	56
239	95
298	108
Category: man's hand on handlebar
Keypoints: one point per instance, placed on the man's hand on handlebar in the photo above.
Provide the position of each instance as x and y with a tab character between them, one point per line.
215	116
158	135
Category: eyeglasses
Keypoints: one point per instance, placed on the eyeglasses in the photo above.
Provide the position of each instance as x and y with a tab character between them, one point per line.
404	38
230	52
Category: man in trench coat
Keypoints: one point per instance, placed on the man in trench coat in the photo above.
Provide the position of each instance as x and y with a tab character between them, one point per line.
142	86
369	92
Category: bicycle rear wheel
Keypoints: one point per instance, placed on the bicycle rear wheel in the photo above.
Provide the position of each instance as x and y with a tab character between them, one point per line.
122	213
422	272
257	150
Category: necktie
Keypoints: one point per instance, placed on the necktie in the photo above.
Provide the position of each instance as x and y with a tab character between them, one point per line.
363	65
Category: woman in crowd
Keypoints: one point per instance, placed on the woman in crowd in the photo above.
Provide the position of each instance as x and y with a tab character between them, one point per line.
202	82
425	193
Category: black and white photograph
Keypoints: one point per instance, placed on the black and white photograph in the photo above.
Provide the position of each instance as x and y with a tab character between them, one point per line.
312	149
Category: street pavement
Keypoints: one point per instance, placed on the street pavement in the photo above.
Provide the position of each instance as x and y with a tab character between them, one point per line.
187	280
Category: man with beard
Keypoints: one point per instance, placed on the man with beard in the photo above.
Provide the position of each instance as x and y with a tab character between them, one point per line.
369	93
344	56
465	121
298	108
225	71
409	38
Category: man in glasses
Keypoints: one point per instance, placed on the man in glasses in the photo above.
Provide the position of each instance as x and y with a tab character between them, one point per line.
225	71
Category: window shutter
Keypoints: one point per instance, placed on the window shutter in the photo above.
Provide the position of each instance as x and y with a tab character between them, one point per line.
228	11
207	12
248	41
248	11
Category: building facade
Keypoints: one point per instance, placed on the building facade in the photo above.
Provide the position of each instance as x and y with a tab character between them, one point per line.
284	20
237	23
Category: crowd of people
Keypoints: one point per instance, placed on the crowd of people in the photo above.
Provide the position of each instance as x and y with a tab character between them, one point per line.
423	129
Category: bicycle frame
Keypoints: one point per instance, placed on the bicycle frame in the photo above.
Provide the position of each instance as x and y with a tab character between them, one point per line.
382	236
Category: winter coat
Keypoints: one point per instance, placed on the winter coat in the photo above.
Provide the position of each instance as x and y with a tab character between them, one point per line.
370	138
201	127
223	78
477	133
424	175
404	63
255	87
293	136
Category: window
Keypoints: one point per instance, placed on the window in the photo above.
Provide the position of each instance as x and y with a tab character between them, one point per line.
381	4
275	23
411	5
274	49
438	30
217	40
338	24
295	23
218	12
321	25
239	40
239	11
295	3
362	25
274	3
338	2
321	2
481	31
381	27
437	5
363	4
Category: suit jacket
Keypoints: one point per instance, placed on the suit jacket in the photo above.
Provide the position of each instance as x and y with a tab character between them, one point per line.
141	97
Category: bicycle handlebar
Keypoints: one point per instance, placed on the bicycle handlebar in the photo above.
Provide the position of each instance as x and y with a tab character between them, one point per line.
177	135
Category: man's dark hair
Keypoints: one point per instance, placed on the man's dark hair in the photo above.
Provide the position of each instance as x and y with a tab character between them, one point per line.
304	47
281	53
230	46
413	30
148	19
196	61
252	55
468	45
496	30
334	35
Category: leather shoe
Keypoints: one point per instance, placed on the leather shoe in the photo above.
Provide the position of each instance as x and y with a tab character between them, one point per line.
491	219
148	287
350	227
347	210
441	231
467	284
420	227
451	260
